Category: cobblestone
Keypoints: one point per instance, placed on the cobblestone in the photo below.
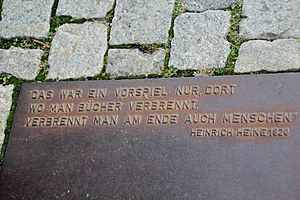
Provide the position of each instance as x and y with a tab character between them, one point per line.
126	62
141	22
25	19
278	55
84	8
203	5
270	19
78	50
200	40
22	63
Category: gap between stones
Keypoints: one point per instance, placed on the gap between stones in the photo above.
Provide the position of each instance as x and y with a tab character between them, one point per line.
1	3
54	8
168	72
109	17
234	39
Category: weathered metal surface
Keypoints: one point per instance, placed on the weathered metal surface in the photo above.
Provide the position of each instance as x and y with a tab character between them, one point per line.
239	142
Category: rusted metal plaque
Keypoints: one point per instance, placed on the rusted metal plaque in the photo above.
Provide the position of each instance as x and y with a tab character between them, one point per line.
213	138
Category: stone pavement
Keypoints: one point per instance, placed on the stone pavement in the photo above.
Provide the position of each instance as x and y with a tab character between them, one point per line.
44	40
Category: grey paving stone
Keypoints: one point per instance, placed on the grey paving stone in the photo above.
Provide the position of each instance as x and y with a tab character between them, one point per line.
200	40
268	19
126	62
203	5
22	18
141	22
78	50
260	55
84	8
22	63
5	104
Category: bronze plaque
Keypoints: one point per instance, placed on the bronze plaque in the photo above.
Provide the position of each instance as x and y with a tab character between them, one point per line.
235	137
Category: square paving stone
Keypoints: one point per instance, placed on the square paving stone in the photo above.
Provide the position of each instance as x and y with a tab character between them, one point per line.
203	5
126	62
141	22
5	104
22	63
25	19
270	19
78	50
258	55
200	40
84	8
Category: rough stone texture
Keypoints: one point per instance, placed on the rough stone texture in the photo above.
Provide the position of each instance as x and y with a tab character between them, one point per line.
260	55
84	8
203	5
25	18
268	19
200	40
5	104
141	22
22	63
126	62
78	50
